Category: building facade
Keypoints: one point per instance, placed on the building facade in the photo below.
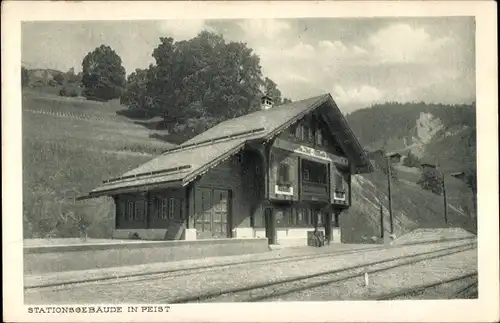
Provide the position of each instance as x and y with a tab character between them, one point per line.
278	173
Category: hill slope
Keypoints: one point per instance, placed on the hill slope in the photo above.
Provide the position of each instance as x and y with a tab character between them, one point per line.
70	145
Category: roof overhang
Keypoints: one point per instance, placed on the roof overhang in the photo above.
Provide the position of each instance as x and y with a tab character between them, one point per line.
130	189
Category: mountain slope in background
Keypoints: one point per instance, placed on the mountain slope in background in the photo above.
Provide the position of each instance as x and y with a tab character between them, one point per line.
432	132
436	134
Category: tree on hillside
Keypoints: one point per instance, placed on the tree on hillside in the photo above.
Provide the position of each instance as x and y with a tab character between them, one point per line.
136	94
25	78
205	79
287	100
103	75
431	179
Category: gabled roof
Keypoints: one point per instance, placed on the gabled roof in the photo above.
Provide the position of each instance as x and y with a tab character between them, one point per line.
180	165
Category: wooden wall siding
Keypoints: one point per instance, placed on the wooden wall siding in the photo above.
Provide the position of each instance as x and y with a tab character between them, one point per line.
237	175
314	122
149	218
155	219
277	157
122	219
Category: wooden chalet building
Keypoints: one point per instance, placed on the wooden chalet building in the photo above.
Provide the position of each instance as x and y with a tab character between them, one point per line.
274	173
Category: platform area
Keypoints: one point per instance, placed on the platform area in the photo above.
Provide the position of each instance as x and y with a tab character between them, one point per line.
89	255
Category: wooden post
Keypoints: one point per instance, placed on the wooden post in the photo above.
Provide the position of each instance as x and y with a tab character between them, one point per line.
147	211
389	194
328	225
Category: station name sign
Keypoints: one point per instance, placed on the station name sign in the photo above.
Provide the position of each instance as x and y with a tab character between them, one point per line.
311	152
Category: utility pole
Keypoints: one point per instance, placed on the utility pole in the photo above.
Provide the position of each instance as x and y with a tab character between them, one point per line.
381	217
389	192
443	186
444	200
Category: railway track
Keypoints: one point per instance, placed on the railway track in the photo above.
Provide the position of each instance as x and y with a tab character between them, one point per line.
179	272
423	291
267	290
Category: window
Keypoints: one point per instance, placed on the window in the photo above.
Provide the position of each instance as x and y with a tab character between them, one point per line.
319	137
171	208
130	210
305	174
162	207
299	132
282	216
284	174
339	181
314	172
308	134
139	209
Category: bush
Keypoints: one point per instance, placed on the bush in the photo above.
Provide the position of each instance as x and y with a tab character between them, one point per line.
59	79
69	91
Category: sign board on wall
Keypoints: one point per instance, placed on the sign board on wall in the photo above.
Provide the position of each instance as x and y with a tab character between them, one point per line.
311	152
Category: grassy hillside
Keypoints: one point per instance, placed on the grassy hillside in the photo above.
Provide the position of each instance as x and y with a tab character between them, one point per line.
69	146
412	207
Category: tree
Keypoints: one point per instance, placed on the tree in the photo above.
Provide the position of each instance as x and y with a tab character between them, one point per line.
103	75
25	78
287	100
136	94
203	78
431	179
271	90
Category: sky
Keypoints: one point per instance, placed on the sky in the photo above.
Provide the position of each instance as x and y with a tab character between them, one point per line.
359	61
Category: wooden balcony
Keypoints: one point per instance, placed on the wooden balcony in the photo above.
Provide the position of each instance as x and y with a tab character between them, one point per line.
312	191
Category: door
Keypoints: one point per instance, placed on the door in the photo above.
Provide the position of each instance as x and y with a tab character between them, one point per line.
219	215
212	213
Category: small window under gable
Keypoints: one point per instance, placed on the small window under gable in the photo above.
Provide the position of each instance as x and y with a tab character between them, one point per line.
299	131
319	137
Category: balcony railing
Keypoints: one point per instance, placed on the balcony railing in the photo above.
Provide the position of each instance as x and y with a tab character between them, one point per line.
312	191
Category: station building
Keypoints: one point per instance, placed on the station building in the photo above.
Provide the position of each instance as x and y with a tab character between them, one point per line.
277	173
